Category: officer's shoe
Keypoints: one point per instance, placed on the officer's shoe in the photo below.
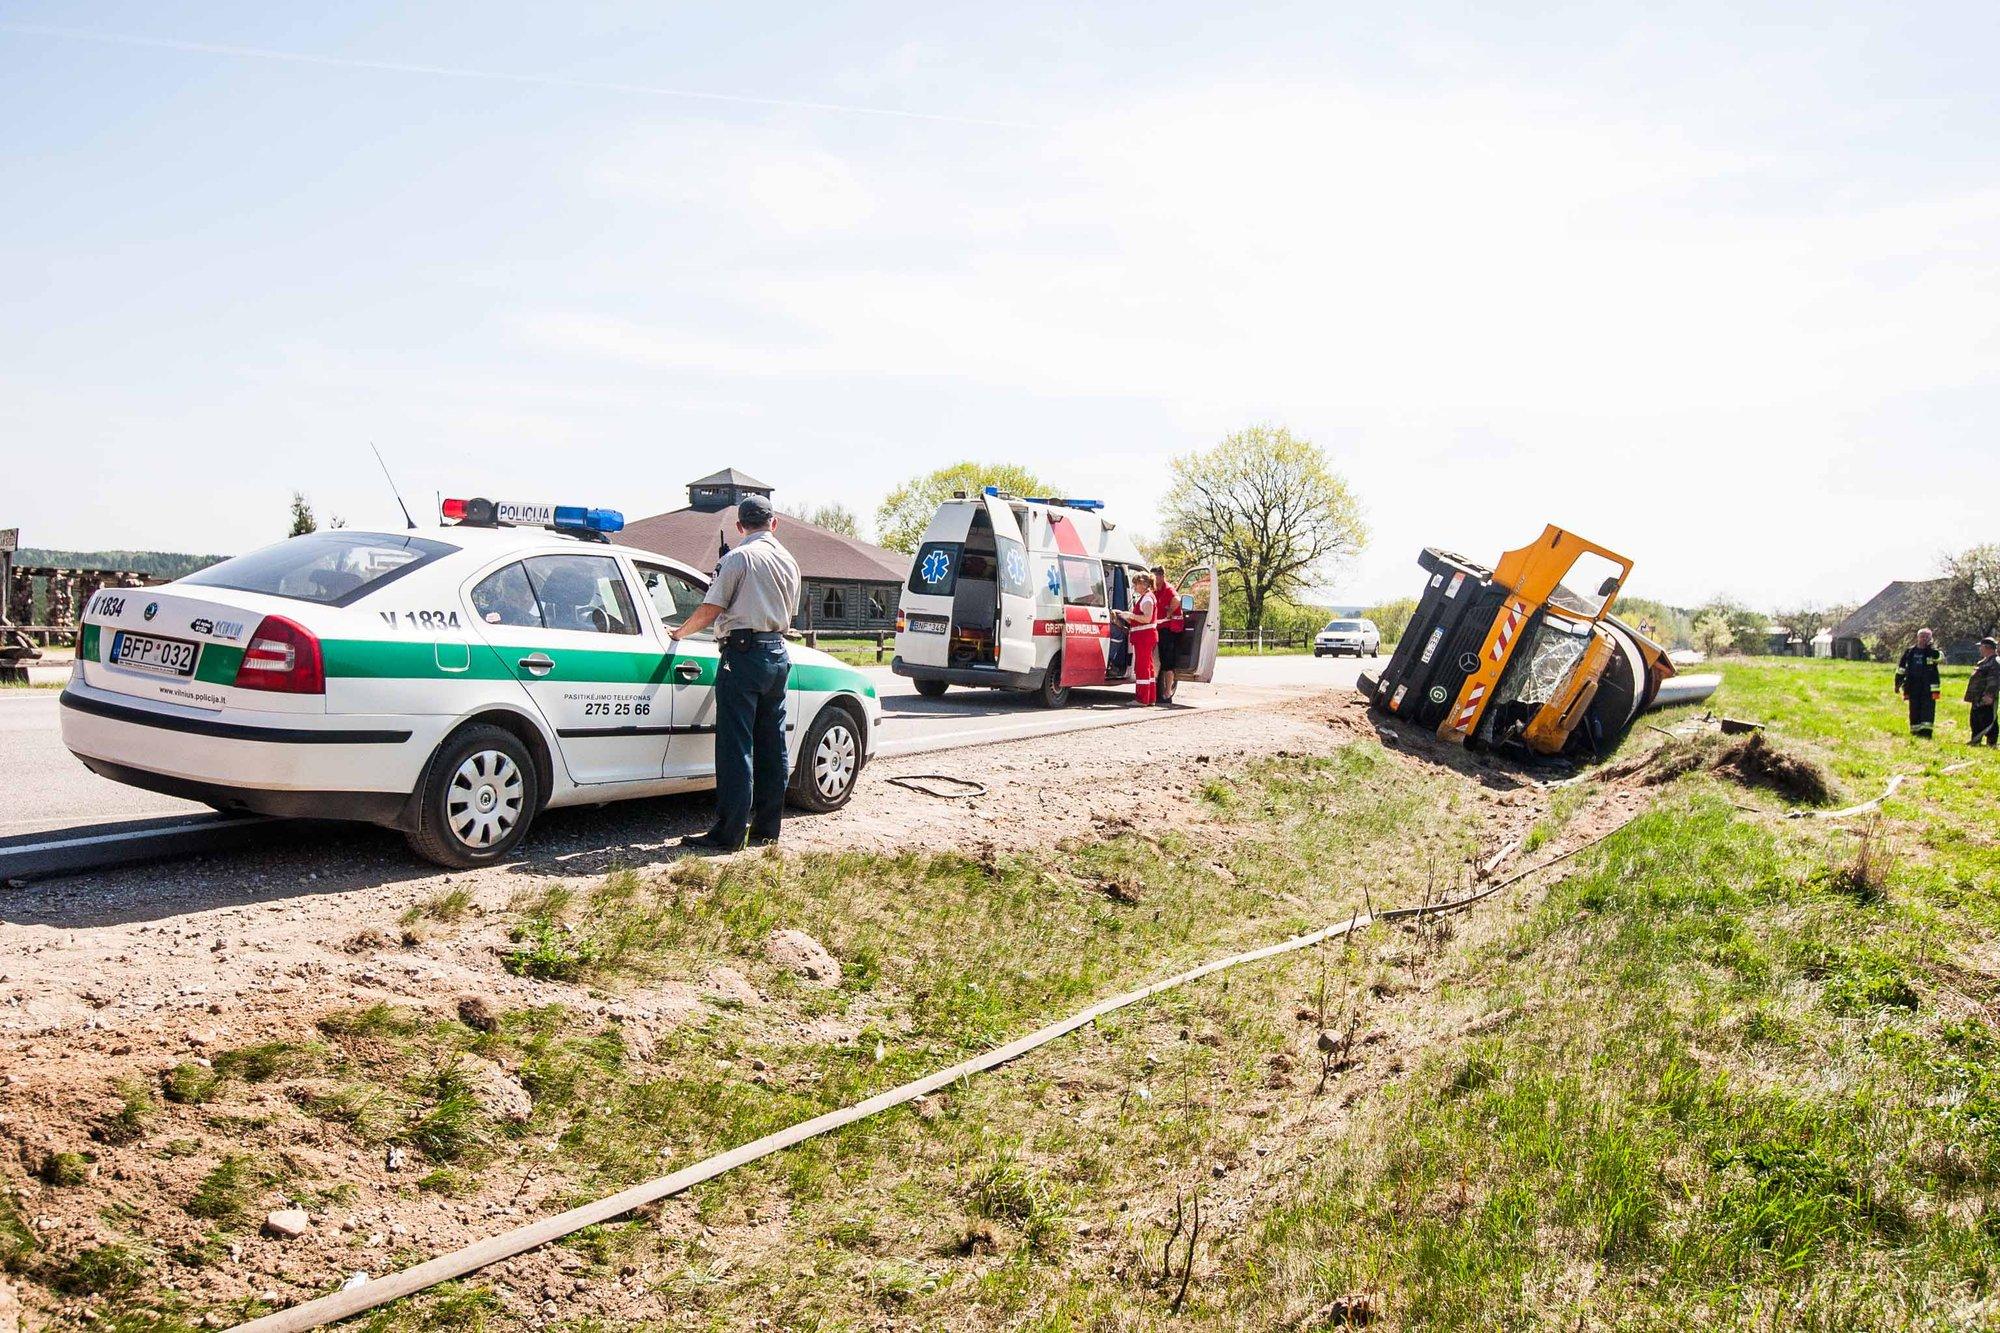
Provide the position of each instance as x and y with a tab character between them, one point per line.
709	842
763	840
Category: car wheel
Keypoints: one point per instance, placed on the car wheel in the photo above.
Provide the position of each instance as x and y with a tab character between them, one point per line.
932	689
1052	693
829	761
479	795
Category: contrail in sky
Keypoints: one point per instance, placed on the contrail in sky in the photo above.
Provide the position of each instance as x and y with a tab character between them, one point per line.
491	75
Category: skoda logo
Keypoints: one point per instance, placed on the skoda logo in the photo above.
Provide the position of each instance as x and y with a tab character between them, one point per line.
1468	662
152	609
1437	694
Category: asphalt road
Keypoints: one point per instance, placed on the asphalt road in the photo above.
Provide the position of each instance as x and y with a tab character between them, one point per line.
42	786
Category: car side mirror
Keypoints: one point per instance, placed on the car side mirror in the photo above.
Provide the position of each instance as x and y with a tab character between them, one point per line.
1609	586
1187	601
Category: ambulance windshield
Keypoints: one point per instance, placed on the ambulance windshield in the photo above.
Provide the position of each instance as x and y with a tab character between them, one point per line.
331	568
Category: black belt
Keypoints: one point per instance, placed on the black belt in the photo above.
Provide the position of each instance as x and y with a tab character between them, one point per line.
750	638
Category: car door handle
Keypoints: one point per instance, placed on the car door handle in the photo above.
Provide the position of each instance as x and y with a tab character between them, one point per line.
538	664
688	671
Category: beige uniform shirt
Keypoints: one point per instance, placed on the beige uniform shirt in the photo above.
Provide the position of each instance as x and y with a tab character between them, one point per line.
756	585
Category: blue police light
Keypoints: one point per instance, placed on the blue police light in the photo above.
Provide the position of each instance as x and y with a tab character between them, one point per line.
588	520
1092	505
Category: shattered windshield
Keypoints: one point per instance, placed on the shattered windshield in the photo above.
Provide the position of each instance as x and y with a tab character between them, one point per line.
1554	655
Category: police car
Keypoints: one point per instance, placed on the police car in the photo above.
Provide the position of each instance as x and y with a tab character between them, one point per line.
452	682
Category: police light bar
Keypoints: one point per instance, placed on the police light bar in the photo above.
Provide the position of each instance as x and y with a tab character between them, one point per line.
482	513
1092	505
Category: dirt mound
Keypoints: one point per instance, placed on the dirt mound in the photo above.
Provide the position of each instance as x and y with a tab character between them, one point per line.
1751	760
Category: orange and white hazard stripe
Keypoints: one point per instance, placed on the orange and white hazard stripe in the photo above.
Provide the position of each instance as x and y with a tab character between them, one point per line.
1516	613
1470	710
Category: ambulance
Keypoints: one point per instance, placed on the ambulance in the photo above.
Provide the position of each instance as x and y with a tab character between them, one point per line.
452	682
1017	594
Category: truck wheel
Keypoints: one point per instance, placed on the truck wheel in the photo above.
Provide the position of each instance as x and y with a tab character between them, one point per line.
931	689
829	762
479	794
1052	693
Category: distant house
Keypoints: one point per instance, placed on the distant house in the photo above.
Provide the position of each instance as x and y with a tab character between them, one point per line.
851	586
1890	611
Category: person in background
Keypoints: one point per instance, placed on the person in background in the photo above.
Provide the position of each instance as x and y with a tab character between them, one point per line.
1142	630
1172	624
751	602
1917	680
1983	693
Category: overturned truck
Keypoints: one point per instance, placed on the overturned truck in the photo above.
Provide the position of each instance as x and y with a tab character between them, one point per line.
1525	656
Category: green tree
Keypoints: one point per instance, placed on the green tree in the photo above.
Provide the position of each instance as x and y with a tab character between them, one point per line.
906	511
1392	618
302	516
1271	512
834	518
1712	634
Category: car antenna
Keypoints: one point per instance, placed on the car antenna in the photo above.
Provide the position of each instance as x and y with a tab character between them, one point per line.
392	487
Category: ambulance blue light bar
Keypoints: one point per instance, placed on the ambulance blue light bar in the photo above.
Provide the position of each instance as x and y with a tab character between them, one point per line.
482	513
999	494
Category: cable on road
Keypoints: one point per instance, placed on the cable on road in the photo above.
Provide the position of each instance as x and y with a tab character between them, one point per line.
913	781
345	1304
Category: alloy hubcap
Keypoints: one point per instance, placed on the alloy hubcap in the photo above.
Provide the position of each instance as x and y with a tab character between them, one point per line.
834	761
484	802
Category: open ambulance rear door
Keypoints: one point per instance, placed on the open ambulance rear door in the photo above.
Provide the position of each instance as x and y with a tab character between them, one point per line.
1014	635
924	636
1201	597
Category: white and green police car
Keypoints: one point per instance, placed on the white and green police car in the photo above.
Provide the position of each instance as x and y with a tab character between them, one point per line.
452	682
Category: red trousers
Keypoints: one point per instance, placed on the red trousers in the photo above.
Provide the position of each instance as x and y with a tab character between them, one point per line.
1144	667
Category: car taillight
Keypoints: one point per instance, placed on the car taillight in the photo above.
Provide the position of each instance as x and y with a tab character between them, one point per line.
902	622
284	657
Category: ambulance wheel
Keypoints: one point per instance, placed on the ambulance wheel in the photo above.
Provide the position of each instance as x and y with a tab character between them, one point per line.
931	689
1052	693
479	795
829	762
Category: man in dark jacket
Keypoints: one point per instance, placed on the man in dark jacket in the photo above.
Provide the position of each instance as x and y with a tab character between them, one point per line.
1983	693
1917	680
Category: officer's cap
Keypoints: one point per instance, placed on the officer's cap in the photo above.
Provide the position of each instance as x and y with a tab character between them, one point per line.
754	511
1988	642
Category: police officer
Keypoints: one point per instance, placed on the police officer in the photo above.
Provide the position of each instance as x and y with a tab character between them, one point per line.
1983	693
750	603
1917	680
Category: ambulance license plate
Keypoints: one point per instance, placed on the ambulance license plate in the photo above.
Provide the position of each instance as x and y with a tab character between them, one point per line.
143	652
929	624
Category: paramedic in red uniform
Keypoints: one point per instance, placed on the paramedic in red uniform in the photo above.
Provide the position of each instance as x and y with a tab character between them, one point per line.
1172	623
1142	628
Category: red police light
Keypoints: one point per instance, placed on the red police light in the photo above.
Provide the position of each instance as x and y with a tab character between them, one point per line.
453	510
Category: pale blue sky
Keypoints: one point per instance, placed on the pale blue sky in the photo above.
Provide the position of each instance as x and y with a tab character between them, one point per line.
1599	265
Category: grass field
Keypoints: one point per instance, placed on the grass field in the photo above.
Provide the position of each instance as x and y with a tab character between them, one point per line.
1734	1071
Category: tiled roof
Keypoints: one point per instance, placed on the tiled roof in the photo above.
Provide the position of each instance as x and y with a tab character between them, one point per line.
1888	609
691	537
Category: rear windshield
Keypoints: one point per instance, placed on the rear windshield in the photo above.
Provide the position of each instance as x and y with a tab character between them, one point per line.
935	570
330	568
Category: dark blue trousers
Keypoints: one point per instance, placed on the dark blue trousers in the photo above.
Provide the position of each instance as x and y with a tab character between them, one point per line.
750	741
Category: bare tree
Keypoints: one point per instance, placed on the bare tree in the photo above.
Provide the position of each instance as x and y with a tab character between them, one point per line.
1267	507
1966	602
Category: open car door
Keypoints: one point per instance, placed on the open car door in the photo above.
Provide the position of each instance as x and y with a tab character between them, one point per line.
1014	634
1201	618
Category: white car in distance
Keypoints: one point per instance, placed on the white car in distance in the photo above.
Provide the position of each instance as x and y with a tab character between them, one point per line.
1359	637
